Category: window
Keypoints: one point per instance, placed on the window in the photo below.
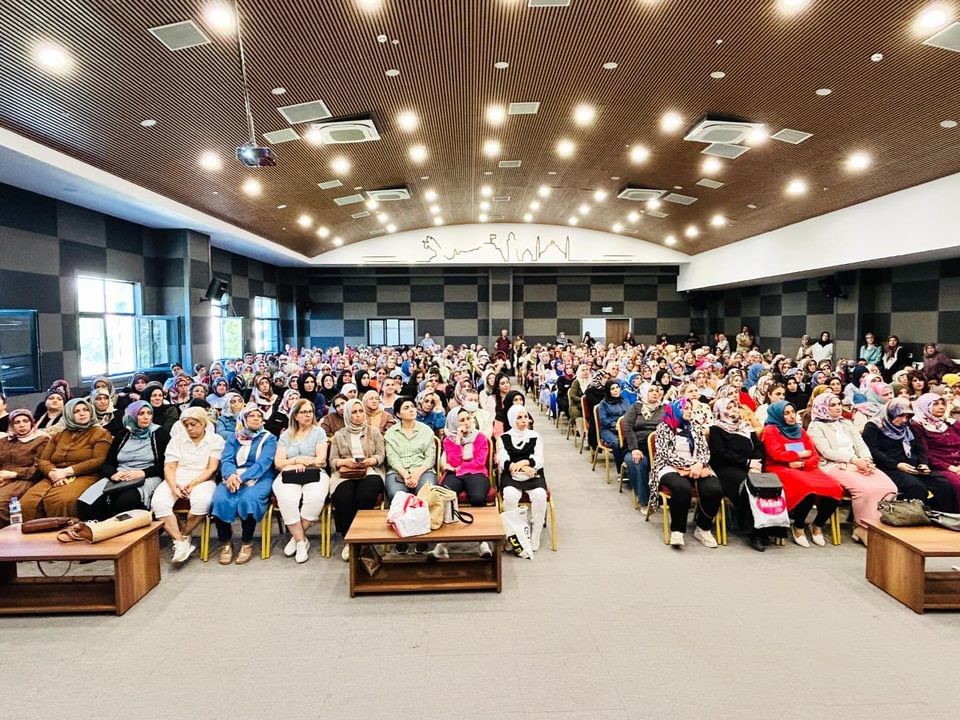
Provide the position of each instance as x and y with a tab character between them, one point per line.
391	331
107	326
227	332
19	351
266	325
158	341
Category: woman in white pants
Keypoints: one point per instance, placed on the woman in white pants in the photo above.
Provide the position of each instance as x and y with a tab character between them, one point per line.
301	458
189	465
520	454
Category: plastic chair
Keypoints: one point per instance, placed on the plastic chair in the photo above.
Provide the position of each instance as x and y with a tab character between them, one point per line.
583	416
623	466
607	450
551	515
181	508
265	532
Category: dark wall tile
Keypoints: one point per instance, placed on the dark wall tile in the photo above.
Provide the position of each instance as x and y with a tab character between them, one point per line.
241	305
80	257
731	306
355	328
426	293
394	309
434	327
166	272
359	293
791	286
27	211
879	325
29	291
539	310
483	292
239	265
501	293
673	309
51	368
574	293
644	329
124	235
948	327
460	310
915	296
639	292
818	303
199	274
846	326
793	326
770	305
68	331
326	311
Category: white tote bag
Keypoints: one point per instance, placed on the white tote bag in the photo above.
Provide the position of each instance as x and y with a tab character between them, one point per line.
408	515
516	526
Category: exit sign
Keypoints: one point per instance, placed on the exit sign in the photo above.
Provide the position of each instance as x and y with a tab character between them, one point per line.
607	309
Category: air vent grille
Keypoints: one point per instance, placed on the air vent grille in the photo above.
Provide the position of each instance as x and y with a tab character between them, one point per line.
640	194
304	112
712	184
679	199
523	108
731	152
948	38
180	36
389	194
346	131
719	131
794	137
281	136
361	214
348	199
329	184
509	163
548	3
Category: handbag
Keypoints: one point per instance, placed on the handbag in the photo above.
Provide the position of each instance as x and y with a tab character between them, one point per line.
766	500
443	505
47	524
902	513
303	477
94	532
370	559
948	521
408	515
112	488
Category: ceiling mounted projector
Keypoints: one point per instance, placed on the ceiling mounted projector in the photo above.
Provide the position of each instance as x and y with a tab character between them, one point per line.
254	156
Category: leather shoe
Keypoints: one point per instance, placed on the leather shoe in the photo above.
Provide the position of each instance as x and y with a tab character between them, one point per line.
757	543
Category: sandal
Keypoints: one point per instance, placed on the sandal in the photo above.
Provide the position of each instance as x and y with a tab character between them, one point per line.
226	554
246	552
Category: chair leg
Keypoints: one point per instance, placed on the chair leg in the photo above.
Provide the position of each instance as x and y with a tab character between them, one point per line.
327	529
554	541
266	528
722	524
606	465
835	527
666	519
205	539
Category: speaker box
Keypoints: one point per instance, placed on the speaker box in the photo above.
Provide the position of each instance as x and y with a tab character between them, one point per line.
831	287
216	290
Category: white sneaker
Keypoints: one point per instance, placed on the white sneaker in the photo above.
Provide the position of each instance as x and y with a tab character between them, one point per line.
345	555
439	552
706	537
290	548
182	549
485	550
302	551
800	539
818	539
676	539
535	539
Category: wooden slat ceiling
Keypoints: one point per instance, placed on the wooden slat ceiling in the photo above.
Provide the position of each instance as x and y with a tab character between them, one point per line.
328	50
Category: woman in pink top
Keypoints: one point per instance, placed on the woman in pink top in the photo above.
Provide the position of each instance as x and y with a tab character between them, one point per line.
465	451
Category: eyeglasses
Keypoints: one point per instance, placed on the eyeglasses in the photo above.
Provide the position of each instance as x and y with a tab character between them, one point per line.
305	412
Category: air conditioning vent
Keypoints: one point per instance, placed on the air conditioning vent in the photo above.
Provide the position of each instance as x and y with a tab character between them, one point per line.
361	214
637	194
280	136
348	199
304	112
523	108
794	137
329	184
346	131
948	38
712	184
730	152
509	163
501	198
180	36
679	199
389	194
721	131
656	213
548	3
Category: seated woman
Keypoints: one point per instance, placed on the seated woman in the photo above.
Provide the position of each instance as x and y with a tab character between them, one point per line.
577	388
219	389
107	416
791	455
50	419
264	397
681	461
699	411
471	403
773	392
869	409
301	458
465	451
134	463
610	410
70	463
411	452
164	414
520	453
917	384
429	410
794	393
593	396
735	451
939	437
189	468
19	459
845	457
248	472
892	445
227	419
376	416
309	391
334	420
639	422
357	456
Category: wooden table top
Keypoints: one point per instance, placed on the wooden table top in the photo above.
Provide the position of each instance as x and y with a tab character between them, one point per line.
370	526
927	540
17	547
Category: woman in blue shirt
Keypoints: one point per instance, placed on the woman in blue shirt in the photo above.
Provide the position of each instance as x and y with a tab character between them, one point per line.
611	409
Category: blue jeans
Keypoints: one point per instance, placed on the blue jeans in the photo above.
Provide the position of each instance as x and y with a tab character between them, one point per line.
638	475
394	483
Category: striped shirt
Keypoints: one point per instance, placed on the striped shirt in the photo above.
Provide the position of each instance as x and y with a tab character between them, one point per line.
408	453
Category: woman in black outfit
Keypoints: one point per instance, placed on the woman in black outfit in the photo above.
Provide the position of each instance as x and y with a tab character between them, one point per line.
593	396
735	451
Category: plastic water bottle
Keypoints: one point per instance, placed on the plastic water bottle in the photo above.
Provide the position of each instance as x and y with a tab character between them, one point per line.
16	514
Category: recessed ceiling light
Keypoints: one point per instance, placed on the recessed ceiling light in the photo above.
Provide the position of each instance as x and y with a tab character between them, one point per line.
418	153
858	162
544	191
280	207
572	220
382	38
614	177
424	177
691	231
796	186
210	161
252	187
718	74
53	57
372	204
304	221
584	209
220	18
617	227
408	121
551	172
599	196
383	218
823	92
948	124
535	205
789	7
671	122
639	154
528	217
566	148
718	221
313	136
501	65
391	228
876	57
610	66
488	172
340	165
491	148
486	191
678	187
482	217
758	136
338	241
430	195
496	114
434	209
438	220
149	122
670	240
584	114
633	216
278	91
323	231
932	19
369	5
392	72
654	204
711	166
484	205
751	206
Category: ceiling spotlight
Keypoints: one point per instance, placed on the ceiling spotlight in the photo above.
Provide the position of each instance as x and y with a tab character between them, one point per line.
617	227
948	124
53	57
252	187
482	217
796	186
639	154
544	191
438	220
671	122
383	218
758	136
369	5
789	7
858	162
654	204
220	18
340	165
718	221
484	205
418	153
491	148
305	221
691	231
434	209
323	231
486	191
528	217
392	72
876	57
430	195
210	161
610	66
535	205
566	148
584	209
670	240
280	207
711	166
501	65
391	228
496	114
408	121
599	196
932	19
314	136
718	74
149	122
278	90
823	92
634	216
338	241
584	114
572	220
372	204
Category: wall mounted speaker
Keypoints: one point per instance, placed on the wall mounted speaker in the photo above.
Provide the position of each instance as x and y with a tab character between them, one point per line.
217	289
831	287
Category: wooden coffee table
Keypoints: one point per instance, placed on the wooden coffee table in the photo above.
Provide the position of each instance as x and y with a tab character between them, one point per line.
895	564
415	573
136	567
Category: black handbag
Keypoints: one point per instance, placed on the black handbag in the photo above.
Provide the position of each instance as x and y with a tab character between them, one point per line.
112	488
764	485
303	477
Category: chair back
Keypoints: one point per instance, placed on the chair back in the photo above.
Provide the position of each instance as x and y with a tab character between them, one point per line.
438	448
651	445
620	431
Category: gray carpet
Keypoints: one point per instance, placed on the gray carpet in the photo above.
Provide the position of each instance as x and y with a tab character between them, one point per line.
613	625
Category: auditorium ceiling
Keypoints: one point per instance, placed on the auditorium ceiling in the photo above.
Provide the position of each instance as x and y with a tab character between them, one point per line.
605	90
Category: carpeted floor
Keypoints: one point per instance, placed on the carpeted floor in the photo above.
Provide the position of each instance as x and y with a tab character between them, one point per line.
613	625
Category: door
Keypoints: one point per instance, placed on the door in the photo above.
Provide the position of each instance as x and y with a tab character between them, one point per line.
616	329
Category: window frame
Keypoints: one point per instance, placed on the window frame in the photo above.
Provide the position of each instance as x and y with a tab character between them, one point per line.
386	330
133	315
266	322
220	312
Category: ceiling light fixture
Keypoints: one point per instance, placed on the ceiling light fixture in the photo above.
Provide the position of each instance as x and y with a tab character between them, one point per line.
653	204
338	241
210	161
278	90
149	122
491	148
617	227
757	136
718	221
304	221
528	217
501	65
484	205
495	114
434	209
252	187
392	72
340	165
797	186
691	231
314	136
53	57
858	162
482	217
418	153
372	204
323	231
280	207
408	121
584	114
599	196
391	228
572	220
670	122
823	92
948	124
438	220
383	218
711	166
670	240
584	209
544	191
633	216
932	19
566	148
486	191
718	74
876	57
639	154
220	18
535	205
610	66
369	5
430	195
790	7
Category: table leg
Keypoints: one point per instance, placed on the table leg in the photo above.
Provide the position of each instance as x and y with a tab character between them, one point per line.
498	559
8	572
897	570
137	572
354	562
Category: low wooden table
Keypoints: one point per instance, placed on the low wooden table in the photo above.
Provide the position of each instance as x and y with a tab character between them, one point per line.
415	573
895	564
136	567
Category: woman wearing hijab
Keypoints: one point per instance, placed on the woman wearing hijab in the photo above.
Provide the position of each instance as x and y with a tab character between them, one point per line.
310	391
219	388
822	349
362	381
134	390
502	420
665	381
107	416
520	455
179	394
939	437
792	457
868	406
376	416
134	462
357	455
287	401
892	445
753	375
681	461
164	414
611	409
847	459
227	419
806	349
735	451
465	452
263	396
70	463
20	454
577	388
894	359
248	473
62	388
794	393
639	422
593	396
50	417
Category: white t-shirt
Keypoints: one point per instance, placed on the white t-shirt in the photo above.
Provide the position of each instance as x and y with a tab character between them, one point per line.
191	457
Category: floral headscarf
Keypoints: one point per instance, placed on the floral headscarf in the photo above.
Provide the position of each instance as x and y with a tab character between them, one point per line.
244	433
922	408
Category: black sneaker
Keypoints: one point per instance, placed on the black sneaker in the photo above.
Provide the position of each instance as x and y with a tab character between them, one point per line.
401	548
